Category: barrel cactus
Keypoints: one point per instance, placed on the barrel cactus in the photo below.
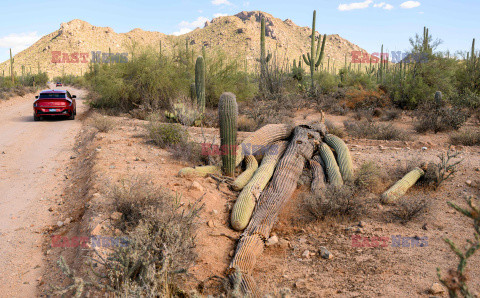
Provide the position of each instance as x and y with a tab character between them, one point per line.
200	83
402	185
333	172
344	159
228	114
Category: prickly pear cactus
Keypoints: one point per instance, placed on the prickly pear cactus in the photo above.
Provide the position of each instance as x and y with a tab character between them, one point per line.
344	159
402	185
228	114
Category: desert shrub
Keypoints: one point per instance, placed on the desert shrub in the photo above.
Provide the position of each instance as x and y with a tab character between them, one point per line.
363	114
443	170
326	82
102	123
369	177
167	134
190	152
467	137
407	209
375	131
246	124
366	99
391	114
437	118
359	80
280	110
334	202
333	129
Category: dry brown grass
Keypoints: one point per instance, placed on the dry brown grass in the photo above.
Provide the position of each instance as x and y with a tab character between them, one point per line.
370	177
102	122
466	137
409	208
375	131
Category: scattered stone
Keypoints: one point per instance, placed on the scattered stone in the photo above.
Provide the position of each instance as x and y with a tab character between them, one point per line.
50	209
325	254
468	182
436	288
195	185
97	230
272	240
214	211
116	216
425	227
68	220
300	283
231	253
59	223
424	148
211	224
73	157
284	243
362	224
302	240
306	254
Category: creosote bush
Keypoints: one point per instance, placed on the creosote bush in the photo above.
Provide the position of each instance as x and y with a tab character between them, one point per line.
370	177
103	123
167	134
375	131
407	209
466	137
334	129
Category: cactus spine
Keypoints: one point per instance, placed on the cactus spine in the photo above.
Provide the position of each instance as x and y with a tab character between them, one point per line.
244	177
243	208
314	58
333	172
200	83
402	185
344	159
228	114
11	67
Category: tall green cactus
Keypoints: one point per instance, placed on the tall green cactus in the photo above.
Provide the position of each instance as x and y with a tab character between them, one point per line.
264	59
402	185
333	172
200	83
11	67
314	58
438	99
344	159
193	94
228	114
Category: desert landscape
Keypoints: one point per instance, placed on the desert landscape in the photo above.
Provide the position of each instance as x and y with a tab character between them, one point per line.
248	158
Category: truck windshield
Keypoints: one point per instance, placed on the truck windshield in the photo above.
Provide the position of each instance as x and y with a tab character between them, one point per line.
52	95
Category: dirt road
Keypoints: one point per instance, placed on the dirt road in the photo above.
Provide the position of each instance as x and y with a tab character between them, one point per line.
33	158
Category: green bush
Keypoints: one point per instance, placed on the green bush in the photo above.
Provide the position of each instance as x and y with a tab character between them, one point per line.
327	82
167	134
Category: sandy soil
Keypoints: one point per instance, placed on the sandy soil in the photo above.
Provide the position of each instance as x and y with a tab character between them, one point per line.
33	160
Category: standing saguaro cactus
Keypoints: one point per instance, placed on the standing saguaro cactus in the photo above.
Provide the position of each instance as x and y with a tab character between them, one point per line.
264	59
200	83
228	114
11	68
314	58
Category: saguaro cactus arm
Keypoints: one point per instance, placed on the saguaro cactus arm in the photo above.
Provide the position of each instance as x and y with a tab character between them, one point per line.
402	185
243	178
200	83
344	159
333	172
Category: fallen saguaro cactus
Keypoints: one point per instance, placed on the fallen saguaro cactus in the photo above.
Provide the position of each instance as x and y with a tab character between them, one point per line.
318	175
401	186
244	177
259	141
333	172
344	160
243	208
202	171
271	201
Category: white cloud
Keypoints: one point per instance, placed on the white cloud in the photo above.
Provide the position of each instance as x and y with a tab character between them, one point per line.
410	4
354	5
186	27
383	5
220	2
19	42
379	4
388	7
220	15
246	4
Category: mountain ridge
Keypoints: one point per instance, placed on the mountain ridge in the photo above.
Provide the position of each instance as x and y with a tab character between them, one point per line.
236	35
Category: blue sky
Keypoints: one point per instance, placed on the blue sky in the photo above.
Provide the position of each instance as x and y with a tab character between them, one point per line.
367	23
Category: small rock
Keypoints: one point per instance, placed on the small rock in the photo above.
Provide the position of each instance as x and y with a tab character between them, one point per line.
425	227
59	223
231	253
116	216
272	240
468	182
300	283
50	209
195	185
306	254
362	224
73	157
325	254
211	224
302	240
284	243
68	220
96	231
214	211
436	288
424	148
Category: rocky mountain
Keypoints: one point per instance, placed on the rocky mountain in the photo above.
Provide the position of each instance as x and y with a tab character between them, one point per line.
237	36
